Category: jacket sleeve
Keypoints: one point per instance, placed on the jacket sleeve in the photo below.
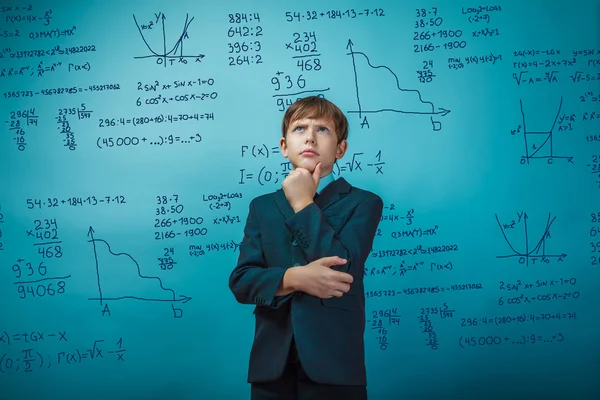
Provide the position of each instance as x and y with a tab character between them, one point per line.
252	281
354	242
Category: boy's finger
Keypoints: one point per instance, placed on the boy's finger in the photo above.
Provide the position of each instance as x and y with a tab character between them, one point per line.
334	260
347	278
317	174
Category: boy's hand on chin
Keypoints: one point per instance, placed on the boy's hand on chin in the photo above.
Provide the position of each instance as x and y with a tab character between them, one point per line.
300	186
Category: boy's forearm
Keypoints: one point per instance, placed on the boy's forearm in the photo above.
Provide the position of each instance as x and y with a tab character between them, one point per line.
289	283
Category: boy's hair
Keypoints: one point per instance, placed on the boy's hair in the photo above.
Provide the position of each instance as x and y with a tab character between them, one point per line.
316	107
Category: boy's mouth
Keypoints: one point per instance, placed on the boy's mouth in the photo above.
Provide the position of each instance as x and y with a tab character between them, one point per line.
310	152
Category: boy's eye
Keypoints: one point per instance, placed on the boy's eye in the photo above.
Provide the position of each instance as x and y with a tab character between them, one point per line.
298	128
323	129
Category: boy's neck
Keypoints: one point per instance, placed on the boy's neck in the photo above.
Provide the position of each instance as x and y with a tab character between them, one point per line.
324	181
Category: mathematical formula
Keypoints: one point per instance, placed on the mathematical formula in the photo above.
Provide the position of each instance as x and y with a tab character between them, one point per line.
34	357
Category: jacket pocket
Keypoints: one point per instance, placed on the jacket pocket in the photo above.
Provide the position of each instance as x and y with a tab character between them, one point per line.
346	302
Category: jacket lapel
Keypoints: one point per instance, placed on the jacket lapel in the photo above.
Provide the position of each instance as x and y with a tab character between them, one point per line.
332	193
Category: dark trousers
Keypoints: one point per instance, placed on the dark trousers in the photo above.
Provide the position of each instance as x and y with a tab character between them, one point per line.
294	384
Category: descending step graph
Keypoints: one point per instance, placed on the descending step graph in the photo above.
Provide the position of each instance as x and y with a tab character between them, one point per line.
175	54
519	231
119	277
373	99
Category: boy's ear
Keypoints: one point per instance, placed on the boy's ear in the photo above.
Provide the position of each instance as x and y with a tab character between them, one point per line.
283	147
341	149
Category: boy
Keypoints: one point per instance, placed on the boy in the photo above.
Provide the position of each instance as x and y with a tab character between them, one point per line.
301	263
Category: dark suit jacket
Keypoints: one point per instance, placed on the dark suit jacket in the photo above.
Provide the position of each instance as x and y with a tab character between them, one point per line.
328	332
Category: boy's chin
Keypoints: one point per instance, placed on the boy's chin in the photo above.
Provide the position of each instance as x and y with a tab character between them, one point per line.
306	164
310	166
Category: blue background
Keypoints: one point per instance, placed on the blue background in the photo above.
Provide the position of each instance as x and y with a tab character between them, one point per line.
478	126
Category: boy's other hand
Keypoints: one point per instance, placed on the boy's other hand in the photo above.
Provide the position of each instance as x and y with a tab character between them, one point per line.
300	186
318	279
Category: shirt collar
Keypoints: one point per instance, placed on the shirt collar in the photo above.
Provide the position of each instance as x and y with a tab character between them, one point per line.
324	181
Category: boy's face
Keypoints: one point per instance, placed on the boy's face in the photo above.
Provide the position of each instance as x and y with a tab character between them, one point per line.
309	141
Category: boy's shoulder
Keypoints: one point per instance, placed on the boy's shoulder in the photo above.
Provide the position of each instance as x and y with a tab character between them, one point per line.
364	192
265	201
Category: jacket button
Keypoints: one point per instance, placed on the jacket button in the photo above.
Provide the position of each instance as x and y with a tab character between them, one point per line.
295	264
294	243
